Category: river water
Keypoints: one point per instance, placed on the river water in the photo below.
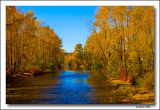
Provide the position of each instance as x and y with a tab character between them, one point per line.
63	87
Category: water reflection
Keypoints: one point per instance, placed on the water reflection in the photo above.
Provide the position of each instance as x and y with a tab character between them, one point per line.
71	89
66	87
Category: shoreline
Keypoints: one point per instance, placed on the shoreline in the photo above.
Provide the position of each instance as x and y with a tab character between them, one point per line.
135	94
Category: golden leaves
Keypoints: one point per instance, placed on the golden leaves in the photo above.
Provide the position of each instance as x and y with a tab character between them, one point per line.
28	42
125	34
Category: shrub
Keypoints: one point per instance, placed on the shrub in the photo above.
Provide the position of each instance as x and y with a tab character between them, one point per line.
146	82
149	81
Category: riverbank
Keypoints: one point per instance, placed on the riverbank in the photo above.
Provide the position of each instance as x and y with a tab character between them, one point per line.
134	94
28	73
25	75
21	76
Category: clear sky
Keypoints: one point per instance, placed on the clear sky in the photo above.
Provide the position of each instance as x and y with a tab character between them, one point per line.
69	22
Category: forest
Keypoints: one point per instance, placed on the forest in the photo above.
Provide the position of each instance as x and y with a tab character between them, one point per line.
120	46
30	46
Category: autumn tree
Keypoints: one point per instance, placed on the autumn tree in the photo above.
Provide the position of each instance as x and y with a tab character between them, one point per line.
29	44
78	52
122	39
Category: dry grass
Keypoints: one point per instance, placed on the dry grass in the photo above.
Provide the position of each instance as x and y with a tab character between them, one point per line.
117	81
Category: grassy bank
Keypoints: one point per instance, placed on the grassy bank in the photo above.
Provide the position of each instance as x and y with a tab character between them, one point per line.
134	93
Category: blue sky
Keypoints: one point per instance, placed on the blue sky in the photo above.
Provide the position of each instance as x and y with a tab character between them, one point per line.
69	22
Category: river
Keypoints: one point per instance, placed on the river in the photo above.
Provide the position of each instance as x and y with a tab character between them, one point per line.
63	87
